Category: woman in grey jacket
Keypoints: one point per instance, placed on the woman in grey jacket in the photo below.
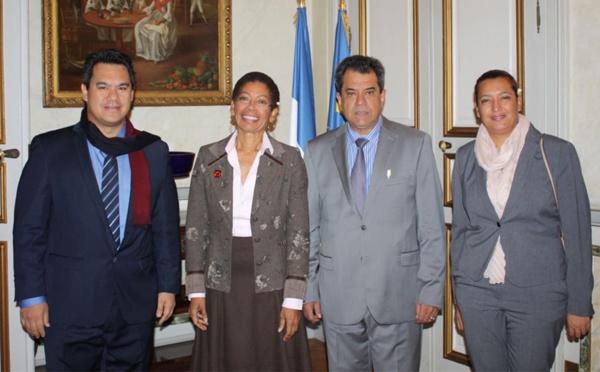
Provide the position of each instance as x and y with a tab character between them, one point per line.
515	284
247	242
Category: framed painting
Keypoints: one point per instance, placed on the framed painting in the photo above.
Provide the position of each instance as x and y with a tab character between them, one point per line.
454	343
181	49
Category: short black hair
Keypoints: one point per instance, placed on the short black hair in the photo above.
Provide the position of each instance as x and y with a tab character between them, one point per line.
495	74
362	65
260	77
110	56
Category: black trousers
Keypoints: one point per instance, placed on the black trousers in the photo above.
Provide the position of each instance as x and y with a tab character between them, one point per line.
112	346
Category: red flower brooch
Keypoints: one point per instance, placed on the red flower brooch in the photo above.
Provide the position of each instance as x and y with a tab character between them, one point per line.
217	173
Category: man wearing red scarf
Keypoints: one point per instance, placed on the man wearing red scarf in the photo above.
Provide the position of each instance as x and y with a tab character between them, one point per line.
90	284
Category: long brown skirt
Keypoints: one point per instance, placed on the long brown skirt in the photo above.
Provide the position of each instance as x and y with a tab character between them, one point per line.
242	332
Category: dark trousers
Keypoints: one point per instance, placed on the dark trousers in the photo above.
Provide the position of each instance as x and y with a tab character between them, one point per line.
112	346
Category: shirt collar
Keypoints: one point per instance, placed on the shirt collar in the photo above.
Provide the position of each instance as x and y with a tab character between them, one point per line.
353	136
121	133
266	144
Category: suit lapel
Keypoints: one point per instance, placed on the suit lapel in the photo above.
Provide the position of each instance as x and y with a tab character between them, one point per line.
531	150
89	177
339	156
269	173
481	181
220	175
387	141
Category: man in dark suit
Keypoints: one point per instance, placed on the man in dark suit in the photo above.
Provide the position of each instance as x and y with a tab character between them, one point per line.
376	230
96	233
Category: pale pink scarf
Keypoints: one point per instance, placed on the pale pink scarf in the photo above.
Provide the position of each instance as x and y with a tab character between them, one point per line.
500	166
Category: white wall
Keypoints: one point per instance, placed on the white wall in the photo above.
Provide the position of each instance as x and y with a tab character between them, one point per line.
584	120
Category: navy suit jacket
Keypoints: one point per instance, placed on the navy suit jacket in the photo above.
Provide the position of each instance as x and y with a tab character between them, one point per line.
63	247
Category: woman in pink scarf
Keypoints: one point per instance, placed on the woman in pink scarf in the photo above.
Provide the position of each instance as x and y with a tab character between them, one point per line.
515	284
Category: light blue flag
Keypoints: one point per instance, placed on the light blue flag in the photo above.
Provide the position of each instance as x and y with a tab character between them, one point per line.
302	123
342	50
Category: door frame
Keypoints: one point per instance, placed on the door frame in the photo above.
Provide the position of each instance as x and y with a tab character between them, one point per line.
18	352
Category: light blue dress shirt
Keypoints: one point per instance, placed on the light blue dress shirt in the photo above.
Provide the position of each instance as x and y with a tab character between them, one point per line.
370	149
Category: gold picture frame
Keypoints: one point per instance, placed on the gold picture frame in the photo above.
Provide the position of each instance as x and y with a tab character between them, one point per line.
3	217
451	130
451	352
4	336
448	166
196	71
2	129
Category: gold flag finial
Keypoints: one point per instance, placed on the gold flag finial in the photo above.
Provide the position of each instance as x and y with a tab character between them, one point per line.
301	4
342	7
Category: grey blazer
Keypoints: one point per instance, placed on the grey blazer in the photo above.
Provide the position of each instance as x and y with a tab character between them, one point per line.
395	255
530	225
279	222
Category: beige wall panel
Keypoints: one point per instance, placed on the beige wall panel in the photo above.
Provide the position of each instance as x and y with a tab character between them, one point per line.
479	44
391	39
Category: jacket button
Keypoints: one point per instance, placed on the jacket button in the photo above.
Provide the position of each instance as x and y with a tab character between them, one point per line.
254	219
498	223
363	227
257	239
114	259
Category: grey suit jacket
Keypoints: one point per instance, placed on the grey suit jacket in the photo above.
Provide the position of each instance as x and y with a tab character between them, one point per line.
392	257
530	225
279	222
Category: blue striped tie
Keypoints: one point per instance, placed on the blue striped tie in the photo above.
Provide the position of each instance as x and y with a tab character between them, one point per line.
110	195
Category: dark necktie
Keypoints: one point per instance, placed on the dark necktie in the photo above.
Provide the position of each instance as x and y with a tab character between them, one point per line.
110	195
358	180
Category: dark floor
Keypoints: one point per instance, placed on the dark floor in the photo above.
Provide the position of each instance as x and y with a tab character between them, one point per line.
177	357
182	363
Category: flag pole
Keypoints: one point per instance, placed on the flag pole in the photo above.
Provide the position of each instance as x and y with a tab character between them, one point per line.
341	51
362	27
302	118
342	7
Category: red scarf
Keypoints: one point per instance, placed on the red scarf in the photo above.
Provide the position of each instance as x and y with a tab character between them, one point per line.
140	181
133	144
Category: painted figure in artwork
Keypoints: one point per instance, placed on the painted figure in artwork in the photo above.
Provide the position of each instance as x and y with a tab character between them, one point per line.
117	6
156	35
196	4
98	6
139	5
